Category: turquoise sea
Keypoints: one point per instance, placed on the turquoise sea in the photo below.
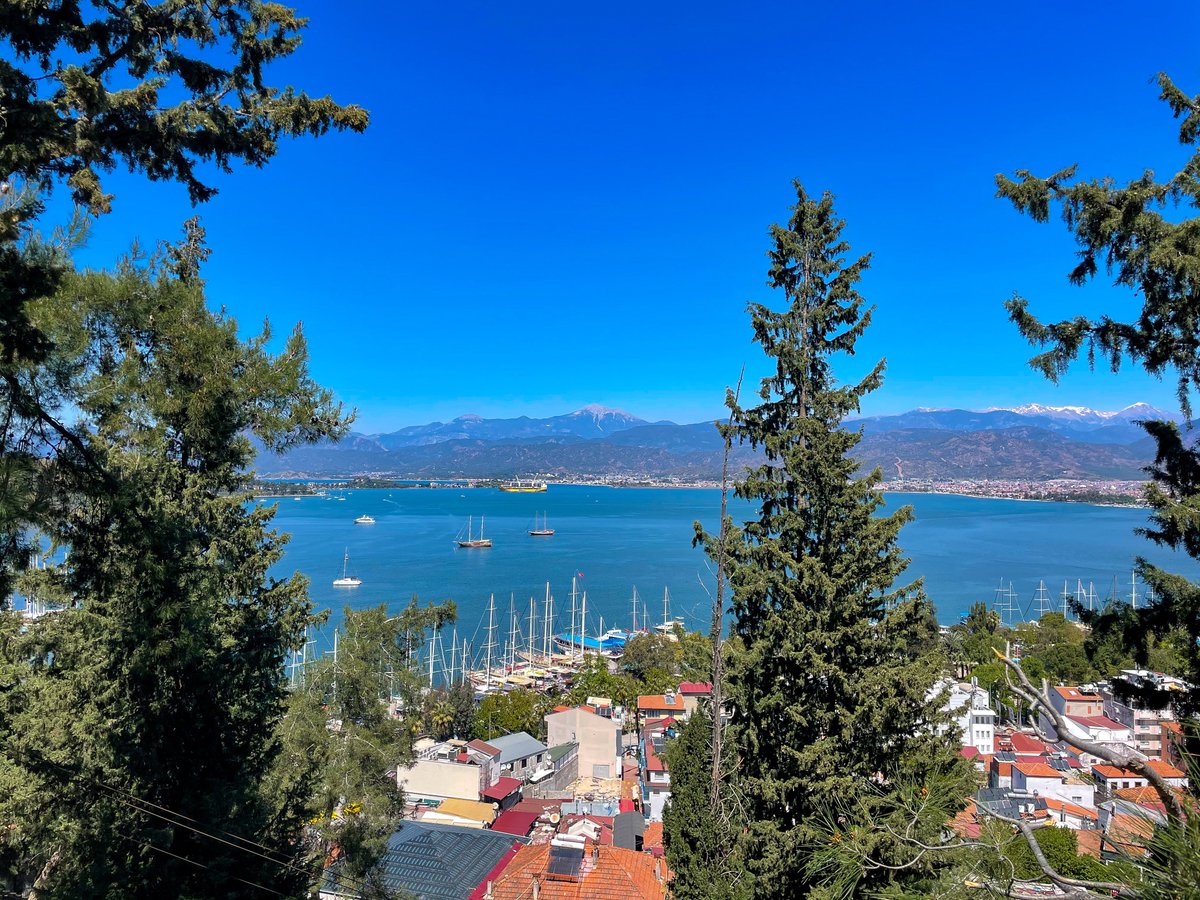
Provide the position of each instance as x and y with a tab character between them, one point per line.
614	540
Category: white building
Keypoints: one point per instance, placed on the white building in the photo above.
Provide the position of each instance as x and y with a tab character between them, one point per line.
971	708
1144	722
1046	781
1097	729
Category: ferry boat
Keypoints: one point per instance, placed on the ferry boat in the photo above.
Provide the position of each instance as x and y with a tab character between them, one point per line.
523	486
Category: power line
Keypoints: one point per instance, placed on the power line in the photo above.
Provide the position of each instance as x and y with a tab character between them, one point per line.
181	821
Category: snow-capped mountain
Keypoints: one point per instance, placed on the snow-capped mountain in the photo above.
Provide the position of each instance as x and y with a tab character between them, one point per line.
1079	422
1130	413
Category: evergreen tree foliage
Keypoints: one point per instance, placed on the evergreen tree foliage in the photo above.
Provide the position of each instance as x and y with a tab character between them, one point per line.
139	725
358	711
829	689
160	88
700	847
1135	232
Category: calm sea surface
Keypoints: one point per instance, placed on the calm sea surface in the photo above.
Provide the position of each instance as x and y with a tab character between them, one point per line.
620	539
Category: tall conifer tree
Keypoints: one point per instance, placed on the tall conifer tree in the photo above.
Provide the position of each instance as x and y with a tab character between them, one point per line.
829	692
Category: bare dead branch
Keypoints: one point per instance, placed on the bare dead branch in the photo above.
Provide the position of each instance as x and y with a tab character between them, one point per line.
1131	759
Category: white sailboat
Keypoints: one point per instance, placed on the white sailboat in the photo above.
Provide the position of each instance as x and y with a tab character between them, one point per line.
545	530
347	580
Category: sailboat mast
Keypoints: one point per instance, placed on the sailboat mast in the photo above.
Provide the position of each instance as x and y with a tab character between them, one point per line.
529	656
432	651
546	627
453	651
665	601
491	640
635	608
572	615
583	624
512	635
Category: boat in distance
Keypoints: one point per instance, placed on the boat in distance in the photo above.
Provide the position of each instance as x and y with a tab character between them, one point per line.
472	542
364	520
523	486
544	531
347	580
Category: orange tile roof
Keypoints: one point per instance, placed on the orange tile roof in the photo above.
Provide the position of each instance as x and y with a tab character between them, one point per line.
616	874
1165	769
1074	693
659	701
653	836
1038	770
1131	830
1071	809
966	822
1088	842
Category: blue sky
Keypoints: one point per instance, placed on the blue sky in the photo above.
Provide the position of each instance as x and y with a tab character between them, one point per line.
562	204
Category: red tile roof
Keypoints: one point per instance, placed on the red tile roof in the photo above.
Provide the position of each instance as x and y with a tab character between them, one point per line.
653	762
695	687
969	752
513	822
1024	743
614	874
503	787
483	748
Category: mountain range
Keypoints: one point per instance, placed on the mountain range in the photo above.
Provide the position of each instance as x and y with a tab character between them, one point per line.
1030	442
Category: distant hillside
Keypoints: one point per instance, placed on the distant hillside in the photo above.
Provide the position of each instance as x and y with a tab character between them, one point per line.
1029	443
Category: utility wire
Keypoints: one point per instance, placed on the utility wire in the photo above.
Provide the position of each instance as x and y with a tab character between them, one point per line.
148	807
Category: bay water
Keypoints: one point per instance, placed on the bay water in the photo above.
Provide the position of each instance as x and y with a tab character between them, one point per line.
615	540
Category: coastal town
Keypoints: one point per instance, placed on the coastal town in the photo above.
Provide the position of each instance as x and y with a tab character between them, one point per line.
577	810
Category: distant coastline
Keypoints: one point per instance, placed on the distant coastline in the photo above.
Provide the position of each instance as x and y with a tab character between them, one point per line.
1126	494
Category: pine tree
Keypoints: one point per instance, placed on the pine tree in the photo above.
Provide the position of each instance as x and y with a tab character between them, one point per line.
1134	231
829	689
700	844
139	725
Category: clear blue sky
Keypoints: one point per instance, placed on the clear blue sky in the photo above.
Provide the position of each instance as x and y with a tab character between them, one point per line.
561	204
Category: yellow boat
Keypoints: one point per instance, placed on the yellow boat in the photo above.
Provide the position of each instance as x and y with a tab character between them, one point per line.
523	486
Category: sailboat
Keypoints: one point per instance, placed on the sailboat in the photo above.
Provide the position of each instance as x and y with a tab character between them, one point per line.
471	540
347	580
545	530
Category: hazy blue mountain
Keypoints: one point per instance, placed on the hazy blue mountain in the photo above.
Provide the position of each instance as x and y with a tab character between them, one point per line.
589	422
1030	442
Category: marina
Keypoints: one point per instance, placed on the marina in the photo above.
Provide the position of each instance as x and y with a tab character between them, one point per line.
613	541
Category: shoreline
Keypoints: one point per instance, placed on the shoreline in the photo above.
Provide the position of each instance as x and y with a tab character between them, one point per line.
1114	499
